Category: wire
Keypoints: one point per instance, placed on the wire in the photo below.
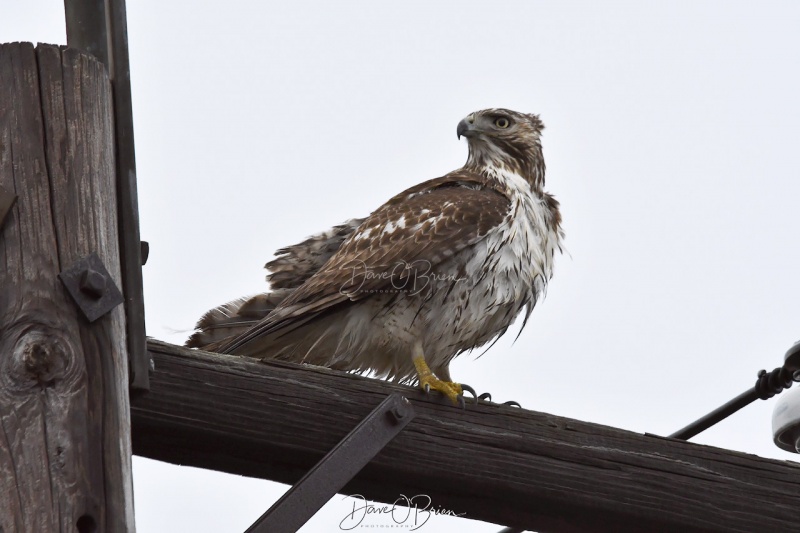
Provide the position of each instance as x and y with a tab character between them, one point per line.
767	385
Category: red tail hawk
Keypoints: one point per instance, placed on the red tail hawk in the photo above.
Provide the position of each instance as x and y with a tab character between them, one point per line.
441	268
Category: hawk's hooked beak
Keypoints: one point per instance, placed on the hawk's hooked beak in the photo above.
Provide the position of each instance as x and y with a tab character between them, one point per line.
466	128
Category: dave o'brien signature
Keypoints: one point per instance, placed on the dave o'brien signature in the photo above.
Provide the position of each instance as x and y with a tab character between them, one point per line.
411	512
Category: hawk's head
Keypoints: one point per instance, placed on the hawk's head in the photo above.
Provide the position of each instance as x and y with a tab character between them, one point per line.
505	139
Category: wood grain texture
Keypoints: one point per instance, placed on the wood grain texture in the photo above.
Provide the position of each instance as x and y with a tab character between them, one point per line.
495	463
64	412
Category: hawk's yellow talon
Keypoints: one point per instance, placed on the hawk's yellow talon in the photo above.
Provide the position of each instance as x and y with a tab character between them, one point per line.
428	382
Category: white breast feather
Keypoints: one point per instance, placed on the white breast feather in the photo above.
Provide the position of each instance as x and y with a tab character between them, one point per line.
527	243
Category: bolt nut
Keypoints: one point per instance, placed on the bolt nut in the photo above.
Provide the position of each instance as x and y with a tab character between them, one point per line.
93	283
398	413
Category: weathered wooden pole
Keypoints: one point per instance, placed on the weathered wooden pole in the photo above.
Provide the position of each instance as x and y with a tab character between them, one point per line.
65	452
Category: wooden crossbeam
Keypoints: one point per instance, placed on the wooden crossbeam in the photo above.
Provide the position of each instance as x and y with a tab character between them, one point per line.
499	464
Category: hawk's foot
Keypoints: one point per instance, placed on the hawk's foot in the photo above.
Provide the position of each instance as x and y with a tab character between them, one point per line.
448	388
428	382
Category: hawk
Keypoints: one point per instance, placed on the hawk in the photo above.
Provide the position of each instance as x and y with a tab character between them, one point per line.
439	269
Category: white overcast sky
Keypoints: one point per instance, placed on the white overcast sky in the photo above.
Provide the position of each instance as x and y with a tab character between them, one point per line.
672	143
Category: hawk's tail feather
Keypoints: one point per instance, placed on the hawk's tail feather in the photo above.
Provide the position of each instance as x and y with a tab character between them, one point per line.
227	321
292	266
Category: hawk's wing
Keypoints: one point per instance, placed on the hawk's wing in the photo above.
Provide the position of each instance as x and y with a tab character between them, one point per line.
430	222
293	265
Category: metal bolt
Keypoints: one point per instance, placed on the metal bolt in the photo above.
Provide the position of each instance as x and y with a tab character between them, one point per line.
397	414
93	283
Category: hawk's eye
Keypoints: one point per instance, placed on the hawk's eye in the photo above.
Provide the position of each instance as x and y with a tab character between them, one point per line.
501	123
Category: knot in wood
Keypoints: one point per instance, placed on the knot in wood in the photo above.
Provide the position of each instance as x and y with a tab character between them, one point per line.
44	361
40	354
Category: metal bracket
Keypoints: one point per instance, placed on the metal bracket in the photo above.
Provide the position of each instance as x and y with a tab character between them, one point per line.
91	286
145	248
6	203
101	28
338	467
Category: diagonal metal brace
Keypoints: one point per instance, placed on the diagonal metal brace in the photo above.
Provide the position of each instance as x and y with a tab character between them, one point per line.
338	467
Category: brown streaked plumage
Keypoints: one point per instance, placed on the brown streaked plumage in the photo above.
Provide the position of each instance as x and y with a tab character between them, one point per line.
441	268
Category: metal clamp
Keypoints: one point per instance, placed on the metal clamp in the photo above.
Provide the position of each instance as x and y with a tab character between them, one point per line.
91	287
